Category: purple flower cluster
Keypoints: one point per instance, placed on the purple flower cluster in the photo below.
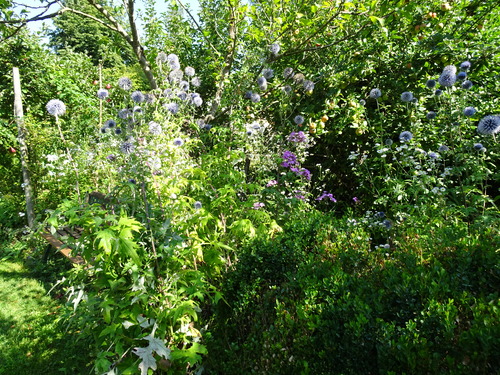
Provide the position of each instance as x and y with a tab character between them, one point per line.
289	159
298	137
326	195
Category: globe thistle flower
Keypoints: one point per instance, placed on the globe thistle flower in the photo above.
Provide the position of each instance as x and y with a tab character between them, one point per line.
489	125
387	224
379	215
308	85
287	73
154	128
137	96
175	76
102	94
431	83
196	82
56	108
287	89
162	57
118	131
298	119
461	76
248	94
181	95
478	146
268	73
189	71
104	129
362	102
465	65
274	48
172	57
178	142
443	148
125	83
406	96
197	205
110	124
467	84
172	107
197	101
388	142
184	85
447	78
469	111
255	98
127	147
431	115
168	93
124	113
452	69
433	155
262	82
375	93
299	78
149	98
405	136
438	92
137	109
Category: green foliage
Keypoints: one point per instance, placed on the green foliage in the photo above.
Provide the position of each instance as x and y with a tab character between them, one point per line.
322	285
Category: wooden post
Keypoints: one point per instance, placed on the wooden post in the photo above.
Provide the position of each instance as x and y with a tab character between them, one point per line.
23	149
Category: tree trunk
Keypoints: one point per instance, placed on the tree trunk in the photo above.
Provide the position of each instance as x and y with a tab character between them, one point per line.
23	149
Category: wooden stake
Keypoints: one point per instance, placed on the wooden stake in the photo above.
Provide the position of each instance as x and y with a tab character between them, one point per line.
23	149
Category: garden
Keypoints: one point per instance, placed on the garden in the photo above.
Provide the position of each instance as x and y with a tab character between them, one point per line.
283	187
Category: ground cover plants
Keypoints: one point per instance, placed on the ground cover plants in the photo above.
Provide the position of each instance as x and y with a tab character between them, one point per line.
282	200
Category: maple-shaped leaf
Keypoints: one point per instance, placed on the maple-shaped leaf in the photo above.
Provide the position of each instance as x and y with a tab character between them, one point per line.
148	361
158	346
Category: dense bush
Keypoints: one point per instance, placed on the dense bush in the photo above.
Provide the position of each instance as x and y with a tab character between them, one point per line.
320	299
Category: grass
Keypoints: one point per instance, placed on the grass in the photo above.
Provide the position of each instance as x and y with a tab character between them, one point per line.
32	339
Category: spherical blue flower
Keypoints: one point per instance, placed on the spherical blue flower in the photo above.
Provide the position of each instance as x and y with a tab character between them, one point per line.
405	136
55	107
268	73
196	82
110	124
387	224
125	83
262	82
184	85
189	71
197	205
162	57
172	107
478	146
287	73
362	102
380	215
308	85
255	98
248	94
450	69
137	96
168	93
375	93
431	115
465	65
407	96
197	101
181	95
178	142
127	147
102	94
118	131
443	148
489	125
433	155
154	128
103	129
438	92
461	75
447	79
431	83
124	113
298	119
469	111
287	89
149	98
388	142
175	76
466	84
299	78
274	48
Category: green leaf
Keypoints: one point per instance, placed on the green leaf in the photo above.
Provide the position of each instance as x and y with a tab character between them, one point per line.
106	238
